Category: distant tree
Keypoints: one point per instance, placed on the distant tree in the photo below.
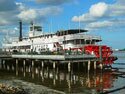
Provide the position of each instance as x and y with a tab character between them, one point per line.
122	49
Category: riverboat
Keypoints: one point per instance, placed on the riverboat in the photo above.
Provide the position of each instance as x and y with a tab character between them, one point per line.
68	42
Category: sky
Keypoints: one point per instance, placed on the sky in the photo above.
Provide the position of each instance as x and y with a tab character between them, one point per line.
105	18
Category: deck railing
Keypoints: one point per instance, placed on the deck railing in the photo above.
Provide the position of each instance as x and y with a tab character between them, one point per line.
66	52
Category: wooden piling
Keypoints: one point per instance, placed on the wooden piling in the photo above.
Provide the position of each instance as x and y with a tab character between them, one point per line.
101	66
95	65
89	65
24	63
69	66
32	63
32	69
42	64
24	68
54	65
3	64
16	67
0	64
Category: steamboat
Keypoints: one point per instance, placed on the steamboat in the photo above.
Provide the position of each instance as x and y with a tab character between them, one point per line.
68	42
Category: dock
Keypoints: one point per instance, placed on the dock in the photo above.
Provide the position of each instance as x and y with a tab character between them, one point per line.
53	60
4	55
56	57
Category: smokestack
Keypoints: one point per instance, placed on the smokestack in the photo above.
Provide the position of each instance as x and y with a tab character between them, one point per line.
20	33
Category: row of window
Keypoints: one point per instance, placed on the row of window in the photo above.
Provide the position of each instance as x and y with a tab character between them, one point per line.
78	41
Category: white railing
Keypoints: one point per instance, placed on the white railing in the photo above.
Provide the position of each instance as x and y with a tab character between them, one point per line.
79	36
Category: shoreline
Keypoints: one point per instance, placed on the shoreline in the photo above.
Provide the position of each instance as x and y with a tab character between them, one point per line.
22	87
7	89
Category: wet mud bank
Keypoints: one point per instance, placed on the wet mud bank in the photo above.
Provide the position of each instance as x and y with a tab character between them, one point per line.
21	87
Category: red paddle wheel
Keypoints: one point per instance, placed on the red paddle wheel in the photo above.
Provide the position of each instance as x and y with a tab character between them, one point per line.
106	53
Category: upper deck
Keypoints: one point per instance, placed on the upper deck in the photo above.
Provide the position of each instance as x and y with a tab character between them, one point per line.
70	31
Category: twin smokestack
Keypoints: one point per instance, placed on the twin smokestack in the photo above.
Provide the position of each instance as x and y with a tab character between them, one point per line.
20	31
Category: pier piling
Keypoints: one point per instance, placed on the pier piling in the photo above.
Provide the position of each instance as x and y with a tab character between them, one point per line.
89	65
1	64
69	66
16	67
101	66
57	69
95	65
32	69
42	64
32	63
54	65
16	61
24	68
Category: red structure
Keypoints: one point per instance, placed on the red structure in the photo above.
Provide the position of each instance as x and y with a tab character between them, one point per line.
100	51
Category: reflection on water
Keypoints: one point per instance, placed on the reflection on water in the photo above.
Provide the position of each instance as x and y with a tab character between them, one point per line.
69	82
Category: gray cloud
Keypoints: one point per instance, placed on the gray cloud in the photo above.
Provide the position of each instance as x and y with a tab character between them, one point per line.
8	18
117	9
121	2
8	11
106	24
101	24
7	5
53	2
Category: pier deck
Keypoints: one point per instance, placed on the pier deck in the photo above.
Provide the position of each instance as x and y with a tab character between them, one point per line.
56	57
5	56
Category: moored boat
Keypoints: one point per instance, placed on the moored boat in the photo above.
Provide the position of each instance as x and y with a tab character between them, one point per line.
72	41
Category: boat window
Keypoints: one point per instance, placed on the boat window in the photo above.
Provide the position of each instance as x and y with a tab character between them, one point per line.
82	41
88	42
47	36
68	42
37	28
25	47
51	35
77	41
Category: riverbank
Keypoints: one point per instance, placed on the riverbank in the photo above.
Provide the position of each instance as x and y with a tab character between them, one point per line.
6	89
22	87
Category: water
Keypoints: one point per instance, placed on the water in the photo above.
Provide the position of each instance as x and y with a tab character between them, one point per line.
38	80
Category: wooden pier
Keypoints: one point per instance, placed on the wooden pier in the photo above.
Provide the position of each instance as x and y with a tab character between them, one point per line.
5	56
57	57
54	60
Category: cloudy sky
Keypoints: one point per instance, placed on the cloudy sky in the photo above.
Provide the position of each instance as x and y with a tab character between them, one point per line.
105	18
